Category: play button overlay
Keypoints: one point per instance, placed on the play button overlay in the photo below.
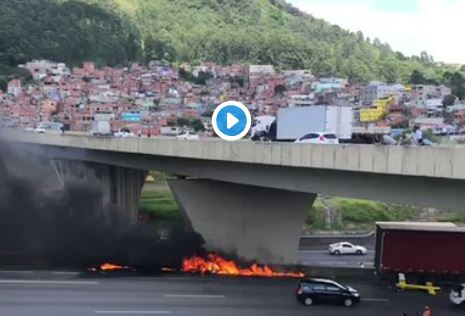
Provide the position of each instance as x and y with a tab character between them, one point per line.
231	120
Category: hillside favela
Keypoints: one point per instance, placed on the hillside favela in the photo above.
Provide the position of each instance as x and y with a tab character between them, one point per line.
246	157
145	99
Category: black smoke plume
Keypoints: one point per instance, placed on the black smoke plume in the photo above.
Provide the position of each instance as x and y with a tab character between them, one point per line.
58	225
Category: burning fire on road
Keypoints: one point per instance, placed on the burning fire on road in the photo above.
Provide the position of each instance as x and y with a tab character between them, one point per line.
215	264
110	267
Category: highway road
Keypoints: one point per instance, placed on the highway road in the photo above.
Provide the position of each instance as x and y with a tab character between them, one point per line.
192	295
324	259
314	251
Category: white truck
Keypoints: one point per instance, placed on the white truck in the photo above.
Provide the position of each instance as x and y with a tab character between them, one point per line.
170	131
101	128
293	123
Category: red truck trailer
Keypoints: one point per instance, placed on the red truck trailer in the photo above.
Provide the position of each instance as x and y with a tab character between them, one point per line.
420	248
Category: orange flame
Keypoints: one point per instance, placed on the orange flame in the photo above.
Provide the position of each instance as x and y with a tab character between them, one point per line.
112	267
215	264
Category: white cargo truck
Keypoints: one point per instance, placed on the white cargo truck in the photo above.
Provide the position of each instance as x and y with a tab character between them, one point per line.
101	128
293	123
170	131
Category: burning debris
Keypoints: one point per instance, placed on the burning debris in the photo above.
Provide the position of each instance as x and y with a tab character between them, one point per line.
215	264
111	267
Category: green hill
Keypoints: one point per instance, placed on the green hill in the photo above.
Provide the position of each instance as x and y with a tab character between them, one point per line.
223	31
62	31
267	32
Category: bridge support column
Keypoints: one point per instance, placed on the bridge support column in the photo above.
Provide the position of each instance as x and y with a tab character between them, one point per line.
118	188
254	223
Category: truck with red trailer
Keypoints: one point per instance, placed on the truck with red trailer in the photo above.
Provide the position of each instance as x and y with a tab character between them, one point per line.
426	250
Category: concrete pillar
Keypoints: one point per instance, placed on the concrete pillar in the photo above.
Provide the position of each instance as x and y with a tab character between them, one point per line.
118	188
255	223
126	190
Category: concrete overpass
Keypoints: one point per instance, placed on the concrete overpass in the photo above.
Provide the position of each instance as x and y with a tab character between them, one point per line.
252	198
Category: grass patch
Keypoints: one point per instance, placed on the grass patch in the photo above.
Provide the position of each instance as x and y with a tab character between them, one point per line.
159	205
458	218
353	214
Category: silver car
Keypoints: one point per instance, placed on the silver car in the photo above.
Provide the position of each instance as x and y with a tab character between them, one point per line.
346	248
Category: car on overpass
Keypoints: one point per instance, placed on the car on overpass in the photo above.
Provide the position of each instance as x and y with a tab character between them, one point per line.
346	248
318	138
187	136
315	291
40	130
124	133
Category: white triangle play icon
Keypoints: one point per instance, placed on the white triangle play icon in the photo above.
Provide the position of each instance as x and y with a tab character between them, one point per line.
231	120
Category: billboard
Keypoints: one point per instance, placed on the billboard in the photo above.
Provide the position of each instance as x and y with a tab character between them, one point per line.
131	116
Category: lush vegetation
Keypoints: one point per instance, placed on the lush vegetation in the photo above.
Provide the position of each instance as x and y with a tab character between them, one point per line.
160	205
70	31
114	32
266	32
360	215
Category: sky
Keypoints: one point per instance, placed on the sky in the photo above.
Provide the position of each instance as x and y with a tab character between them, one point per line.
409	26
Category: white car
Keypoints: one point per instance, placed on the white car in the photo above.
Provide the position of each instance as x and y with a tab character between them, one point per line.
346	248
457	295
187	136
124	133
318	138
39	130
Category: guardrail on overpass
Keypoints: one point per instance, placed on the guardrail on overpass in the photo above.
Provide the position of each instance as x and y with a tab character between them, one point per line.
440	162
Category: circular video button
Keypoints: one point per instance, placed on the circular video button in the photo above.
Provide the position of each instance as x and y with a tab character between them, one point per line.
231	120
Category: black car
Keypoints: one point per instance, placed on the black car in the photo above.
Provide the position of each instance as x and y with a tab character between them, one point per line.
313	291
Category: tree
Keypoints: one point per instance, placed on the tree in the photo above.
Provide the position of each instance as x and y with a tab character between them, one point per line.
156	49
239	80
70	31
356	70
203	77
3	83
389	71
456	82
449	100
425	58
197	125
417	77
181	121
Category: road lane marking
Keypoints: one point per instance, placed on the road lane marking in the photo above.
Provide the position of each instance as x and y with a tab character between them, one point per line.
194	296
133	312
337	263
65	273
48	282
327	251
369	299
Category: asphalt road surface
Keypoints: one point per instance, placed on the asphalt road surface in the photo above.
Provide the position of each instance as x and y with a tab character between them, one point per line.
314	251
322	258
192	295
